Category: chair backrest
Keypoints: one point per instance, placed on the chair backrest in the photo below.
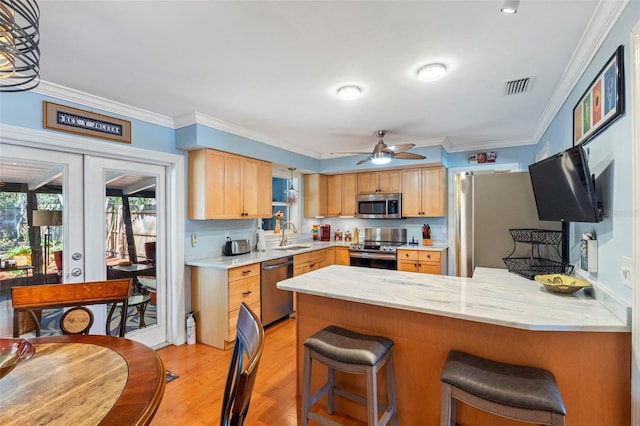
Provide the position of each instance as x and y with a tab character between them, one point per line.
247	350
25	300
150	251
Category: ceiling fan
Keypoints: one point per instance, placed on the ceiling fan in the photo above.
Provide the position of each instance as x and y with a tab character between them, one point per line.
382	154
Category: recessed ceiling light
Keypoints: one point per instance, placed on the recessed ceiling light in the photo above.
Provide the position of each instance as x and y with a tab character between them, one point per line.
432	72
349	93
510	7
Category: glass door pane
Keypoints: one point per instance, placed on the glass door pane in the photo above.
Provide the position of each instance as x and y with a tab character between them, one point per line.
127	204
40	194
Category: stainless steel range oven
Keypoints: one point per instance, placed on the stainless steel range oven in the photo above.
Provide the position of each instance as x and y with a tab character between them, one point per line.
378	249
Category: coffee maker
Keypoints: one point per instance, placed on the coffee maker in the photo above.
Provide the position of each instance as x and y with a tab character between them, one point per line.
325	232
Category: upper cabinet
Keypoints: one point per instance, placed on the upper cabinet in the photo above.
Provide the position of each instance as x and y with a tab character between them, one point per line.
228	186
424	192
341	194
382	181
315	195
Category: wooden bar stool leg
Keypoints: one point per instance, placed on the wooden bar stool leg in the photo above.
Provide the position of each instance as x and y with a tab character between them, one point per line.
448	407
331	376
372	395
391	389
306	387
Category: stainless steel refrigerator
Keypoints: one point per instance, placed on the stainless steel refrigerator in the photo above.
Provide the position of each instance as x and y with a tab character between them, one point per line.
489	204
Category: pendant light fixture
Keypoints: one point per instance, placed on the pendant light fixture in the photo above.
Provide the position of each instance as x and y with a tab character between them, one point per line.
19	45
292	194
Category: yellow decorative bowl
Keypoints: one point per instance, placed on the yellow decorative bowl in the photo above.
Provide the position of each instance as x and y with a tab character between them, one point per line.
13	352
561	283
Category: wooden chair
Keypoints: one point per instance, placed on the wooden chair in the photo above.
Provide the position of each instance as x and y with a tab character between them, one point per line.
240	380
78	319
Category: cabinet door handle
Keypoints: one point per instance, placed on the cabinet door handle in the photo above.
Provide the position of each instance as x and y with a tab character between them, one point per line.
246	293
312	265
246	272
428	256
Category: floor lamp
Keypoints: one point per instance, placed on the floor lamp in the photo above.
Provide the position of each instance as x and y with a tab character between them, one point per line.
47	218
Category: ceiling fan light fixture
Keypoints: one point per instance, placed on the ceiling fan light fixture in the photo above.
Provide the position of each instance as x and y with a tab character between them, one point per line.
349	93
432	72
510	7
380	158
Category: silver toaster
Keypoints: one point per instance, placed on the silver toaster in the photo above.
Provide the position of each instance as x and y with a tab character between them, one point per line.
235	247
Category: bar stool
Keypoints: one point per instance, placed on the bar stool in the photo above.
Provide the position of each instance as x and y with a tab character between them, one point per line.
518	392
354	353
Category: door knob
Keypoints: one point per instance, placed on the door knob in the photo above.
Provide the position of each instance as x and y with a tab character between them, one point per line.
76	256
76	272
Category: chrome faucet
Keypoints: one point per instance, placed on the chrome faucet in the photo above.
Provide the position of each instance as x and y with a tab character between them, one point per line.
283	240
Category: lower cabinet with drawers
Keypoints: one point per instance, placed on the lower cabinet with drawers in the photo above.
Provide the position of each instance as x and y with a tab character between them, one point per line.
216	295
423	261
312	260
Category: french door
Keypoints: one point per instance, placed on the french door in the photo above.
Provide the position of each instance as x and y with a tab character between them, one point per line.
116	253
84	181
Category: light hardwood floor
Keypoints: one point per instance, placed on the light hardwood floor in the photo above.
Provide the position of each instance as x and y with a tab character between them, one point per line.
196	396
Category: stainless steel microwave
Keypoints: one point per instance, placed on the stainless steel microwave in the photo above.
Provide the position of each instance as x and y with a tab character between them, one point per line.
380	206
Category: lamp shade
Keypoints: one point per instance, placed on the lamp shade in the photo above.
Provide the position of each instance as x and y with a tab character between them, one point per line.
47	218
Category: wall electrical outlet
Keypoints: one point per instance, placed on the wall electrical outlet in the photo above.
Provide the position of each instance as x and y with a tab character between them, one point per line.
626	271
194	239
226	234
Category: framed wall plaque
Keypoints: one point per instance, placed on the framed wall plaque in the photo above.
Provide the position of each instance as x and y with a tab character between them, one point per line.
603	102
86	123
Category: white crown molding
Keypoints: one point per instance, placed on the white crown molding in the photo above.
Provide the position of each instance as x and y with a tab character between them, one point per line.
599	26
205	120
86	99
483	146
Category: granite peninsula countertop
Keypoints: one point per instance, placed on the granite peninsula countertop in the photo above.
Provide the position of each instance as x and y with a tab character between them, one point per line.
492	296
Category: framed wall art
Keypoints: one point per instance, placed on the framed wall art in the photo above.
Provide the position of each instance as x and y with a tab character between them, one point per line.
603	102
72	120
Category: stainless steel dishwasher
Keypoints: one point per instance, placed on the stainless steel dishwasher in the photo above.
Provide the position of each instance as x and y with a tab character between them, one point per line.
275	303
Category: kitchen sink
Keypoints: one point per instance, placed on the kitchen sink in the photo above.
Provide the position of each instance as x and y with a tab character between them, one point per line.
293	247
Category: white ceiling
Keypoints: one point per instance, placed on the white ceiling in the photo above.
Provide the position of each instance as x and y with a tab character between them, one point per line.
269	70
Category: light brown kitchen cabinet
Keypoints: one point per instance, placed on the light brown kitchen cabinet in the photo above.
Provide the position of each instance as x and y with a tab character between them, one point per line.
312	260
382	181
424	192
315	195
342	256
341	194
423	261
216	295
228	186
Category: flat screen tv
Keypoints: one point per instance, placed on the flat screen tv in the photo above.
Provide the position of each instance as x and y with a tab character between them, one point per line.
564	188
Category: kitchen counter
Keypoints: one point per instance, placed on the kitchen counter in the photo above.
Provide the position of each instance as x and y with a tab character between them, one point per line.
496	315
227	262
492	296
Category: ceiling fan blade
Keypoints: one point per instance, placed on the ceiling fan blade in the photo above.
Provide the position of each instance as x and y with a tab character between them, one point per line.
408	156
364	160
350	152
400	148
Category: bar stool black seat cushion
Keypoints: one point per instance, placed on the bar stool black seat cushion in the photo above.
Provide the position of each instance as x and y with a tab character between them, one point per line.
517	386
348	346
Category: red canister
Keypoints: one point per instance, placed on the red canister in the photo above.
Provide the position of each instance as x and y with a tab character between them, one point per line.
325	232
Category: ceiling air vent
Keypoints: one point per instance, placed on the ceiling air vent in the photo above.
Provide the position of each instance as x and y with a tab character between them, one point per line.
514	87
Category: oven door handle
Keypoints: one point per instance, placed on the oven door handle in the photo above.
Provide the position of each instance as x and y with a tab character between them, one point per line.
370	255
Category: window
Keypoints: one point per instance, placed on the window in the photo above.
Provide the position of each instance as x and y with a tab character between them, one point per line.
281	182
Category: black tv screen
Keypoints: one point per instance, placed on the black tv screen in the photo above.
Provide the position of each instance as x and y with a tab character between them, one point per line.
564	188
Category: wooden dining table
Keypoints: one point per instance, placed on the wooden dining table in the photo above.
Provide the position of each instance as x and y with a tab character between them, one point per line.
84	380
